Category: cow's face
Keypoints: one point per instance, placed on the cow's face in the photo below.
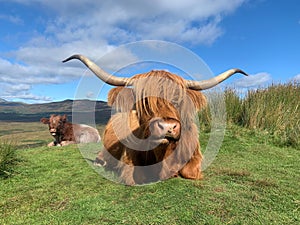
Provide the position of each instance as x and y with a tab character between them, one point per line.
164	106
55	123
158	119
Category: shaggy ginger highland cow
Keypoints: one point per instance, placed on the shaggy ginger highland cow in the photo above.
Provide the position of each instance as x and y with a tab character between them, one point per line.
153	135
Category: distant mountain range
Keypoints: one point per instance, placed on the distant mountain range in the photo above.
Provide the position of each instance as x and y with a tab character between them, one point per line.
83	110
2	100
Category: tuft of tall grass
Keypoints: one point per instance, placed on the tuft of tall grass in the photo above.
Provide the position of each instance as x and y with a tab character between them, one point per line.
274	110
233	103
8	159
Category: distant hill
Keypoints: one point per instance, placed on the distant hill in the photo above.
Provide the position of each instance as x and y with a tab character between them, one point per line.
85	110
2	100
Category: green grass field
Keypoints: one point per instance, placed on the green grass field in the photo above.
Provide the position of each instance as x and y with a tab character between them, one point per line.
250	182
254	179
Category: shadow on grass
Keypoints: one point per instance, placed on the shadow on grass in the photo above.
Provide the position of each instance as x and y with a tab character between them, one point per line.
32	144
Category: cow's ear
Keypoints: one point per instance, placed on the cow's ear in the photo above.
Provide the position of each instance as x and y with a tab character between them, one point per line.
64	118
121	99
197	98
45	120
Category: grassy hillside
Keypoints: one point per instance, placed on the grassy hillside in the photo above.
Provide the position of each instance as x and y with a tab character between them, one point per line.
274	110
250	182
253	180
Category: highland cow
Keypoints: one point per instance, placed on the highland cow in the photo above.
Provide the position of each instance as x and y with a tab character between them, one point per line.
153	135
66	133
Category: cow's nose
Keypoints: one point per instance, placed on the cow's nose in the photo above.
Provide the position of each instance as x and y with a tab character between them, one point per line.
166	128
52	130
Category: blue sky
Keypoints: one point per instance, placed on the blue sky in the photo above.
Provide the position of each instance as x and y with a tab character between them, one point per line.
261	37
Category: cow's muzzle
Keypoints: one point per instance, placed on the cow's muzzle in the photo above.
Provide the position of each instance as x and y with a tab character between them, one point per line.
52	131
165	129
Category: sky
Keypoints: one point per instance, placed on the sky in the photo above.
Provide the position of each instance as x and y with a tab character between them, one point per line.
262	37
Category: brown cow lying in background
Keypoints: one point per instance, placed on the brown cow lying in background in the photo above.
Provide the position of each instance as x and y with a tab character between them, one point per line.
66	133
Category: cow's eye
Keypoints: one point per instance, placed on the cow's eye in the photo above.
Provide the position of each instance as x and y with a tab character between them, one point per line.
175	104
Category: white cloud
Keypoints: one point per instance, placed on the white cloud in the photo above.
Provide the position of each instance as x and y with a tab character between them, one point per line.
90	94
12	19
18	74
21	92
30	98
296	78
129	20
256	80
94	28
19	87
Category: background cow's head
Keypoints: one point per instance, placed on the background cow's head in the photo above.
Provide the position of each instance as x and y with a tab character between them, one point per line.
56	123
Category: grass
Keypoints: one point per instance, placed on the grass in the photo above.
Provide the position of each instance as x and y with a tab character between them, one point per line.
274	110
250	182
253	180
24	135
8	159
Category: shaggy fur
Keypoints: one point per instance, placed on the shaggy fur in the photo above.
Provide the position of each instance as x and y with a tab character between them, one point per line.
128	147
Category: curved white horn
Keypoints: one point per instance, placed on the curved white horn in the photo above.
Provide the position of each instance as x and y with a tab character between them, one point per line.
206	84
104	76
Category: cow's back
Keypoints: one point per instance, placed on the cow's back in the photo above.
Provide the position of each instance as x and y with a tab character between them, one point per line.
85	134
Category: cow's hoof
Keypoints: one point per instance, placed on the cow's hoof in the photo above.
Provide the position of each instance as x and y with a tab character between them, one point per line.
129	182
51	144
99	162
175	174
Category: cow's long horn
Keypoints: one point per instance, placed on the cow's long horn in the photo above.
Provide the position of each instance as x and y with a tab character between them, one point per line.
206	84
104	76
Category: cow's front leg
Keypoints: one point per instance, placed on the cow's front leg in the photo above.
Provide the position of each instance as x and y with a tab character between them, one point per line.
169	163
99	161
64	143
52	143
126	175
127	167
167	172
192	170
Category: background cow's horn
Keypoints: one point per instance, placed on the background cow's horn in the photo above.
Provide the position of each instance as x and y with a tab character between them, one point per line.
104	76
206	84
